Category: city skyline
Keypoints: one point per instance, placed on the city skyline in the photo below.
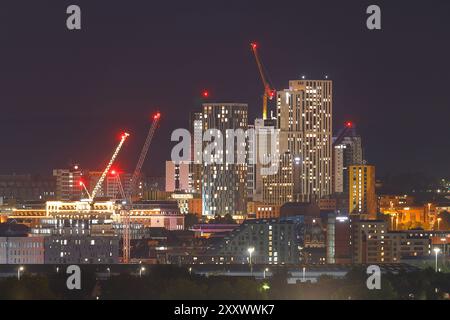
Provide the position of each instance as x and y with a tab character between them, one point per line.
118	88
251	152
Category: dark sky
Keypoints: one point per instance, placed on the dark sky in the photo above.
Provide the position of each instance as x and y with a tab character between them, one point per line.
65	95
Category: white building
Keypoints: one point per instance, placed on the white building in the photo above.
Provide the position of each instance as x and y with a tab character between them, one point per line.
304	117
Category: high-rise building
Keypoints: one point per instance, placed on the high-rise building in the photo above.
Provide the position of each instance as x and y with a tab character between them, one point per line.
68	183
263	145
224	184
304	117
284	186
347	151
362	198
195	167
177	176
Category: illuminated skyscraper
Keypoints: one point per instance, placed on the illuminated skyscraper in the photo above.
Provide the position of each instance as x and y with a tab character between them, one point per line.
304	117
224	184
362	198
347	151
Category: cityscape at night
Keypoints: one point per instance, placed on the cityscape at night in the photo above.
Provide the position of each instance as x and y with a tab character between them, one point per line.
251	152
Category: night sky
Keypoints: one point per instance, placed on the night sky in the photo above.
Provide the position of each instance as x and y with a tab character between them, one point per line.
66	95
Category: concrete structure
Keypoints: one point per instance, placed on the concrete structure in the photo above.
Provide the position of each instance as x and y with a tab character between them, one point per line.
285	185
24	187
68	183
362	197
260	210
373	243
21	250
347	152
78	249
273	242
196	165
304	117
224	184
262	147
177	176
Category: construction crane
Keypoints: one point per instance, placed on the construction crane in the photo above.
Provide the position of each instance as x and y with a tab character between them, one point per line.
269	92
349	127
120	191
133	186
144	151
108	166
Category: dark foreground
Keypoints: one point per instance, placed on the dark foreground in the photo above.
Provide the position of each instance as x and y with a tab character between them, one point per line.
170	283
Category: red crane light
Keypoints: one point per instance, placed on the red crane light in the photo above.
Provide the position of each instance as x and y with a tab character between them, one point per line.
81	183
254	45
349	124
157	116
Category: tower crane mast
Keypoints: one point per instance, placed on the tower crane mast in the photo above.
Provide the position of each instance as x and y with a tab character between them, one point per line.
269	92
144	151
133	184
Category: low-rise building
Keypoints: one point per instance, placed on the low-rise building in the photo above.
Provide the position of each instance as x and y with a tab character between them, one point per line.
78	249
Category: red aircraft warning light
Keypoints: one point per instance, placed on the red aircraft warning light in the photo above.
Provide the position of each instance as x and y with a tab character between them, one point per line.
349	124
254	45
205	94
157	116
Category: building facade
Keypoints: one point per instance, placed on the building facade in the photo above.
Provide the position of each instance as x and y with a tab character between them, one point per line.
224	182
68	183
362	197
177	176
21	250
304	118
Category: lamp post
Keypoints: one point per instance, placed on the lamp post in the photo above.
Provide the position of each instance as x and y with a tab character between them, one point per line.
19	270
304	274
436	251
264	272
250	252
109	272
439	221
141	269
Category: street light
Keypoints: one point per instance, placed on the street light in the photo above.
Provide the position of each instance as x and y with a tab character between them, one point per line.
436	251
438	221
304	274
19	270
250	252
142	269
264	272
109	272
